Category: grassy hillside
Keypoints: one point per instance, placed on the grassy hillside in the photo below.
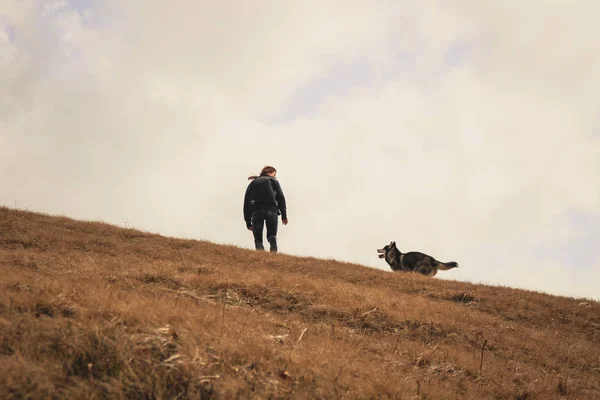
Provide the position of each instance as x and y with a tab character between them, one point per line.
90	310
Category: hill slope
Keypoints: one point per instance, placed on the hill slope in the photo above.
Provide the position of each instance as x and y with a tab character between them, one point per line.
92	310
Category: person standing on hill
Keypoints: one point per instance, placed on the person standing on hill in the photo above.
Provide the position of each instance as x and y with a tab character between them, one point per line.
263	203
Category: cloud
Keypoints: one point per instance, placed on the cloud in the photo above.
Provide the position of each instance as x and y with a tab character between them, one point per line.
463	131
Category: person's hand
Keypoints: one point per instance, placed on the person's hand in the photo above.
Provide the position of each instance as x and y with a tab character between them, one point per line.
249	228
285	221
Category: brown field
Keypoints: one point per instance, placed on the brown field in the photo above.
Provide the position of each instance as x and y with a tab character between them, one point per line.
90	310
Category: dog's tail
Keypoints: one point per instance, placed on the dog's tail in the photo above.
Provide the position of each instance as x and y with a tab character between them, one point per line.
444	266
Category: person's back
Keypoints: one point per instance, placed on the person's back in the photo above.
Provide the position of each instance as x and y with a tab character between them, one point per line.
263	192
263	202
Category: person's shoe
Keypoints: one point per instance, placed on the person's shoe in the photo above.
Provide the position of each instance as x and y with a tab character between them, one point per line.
273	242
259	246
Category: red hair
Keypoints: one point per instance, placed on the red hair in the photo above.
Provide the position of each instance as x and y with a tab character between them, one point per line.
265	171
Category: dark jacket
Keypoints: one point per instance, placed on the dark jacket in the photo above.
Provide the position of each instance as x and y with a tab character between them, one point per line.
263	192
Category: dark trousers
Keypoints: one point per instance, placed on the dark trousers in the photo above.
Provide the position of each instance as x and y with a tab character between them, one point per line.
261	217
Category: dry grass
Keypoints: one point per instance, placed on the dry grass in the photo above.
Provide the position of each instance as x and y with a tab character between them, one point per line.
89	310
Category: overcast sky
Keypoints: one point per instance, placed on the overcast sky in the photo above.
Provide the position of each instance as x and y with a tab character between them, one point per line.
467	130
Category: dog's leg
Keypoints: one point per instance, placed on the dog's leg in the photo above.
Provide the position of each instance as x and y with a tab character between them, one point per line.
425	269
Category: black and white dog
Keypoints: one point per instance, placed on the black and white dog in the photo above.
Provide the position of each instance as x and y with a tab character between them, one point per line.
413	261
